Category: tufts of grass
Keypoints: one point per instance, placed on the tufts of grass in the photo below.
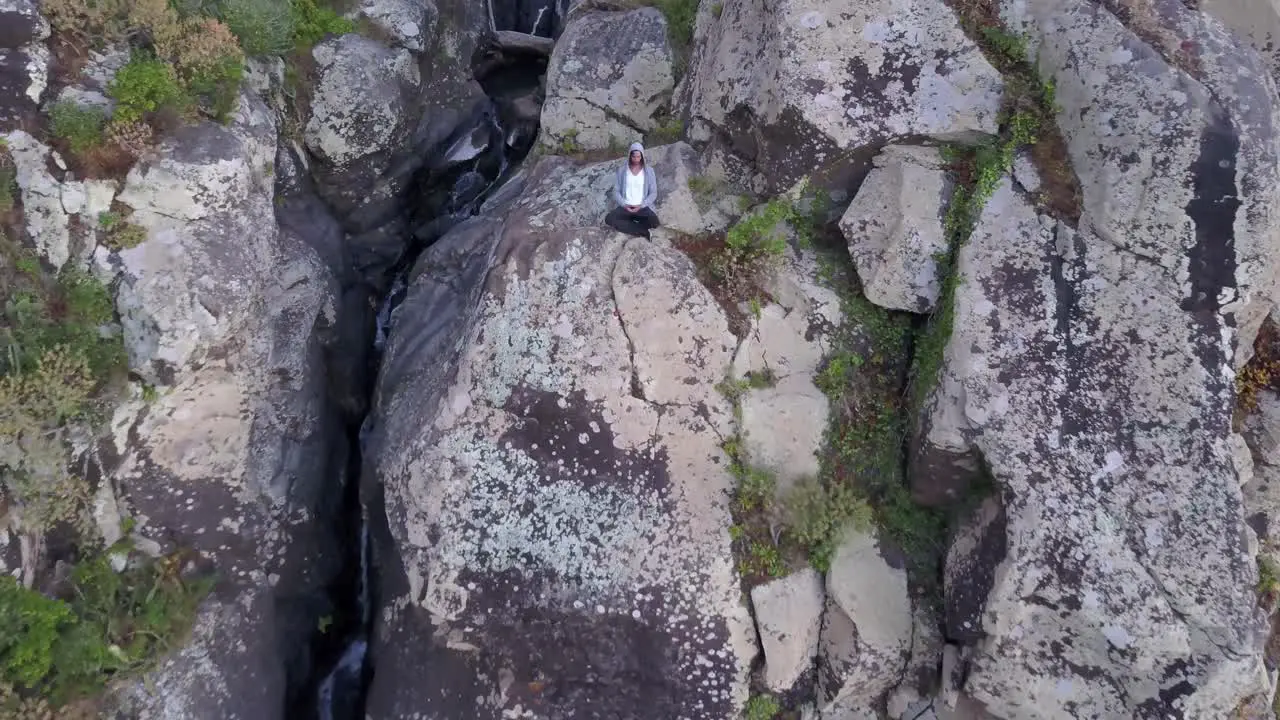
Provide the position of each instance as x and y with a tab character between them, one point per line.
80	127
60	366
862	474
762	707
1028	98
118	233
313	22
8	182
704	189
263	27
1262	372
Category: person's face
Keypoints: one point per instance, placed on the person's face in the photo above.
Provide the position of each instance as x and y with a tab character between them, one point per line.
635	157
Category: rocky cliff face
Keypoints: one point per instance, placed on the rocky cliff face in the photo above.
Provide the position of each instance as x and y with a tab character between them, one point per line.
946	390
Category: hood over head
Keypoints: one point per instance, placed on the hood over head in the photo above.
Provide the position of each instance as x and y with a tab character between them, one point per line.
634	147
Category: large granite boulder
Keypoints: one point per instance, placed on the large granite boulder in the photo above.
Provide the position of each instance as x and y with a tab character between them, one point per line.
866	627
363	113
546	439
610	75
797	89
895	231
1090	370
1115	581
203	200
235	456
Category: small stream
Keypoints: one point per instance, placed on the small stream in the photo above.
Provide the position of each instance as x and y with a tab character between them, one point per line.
463	172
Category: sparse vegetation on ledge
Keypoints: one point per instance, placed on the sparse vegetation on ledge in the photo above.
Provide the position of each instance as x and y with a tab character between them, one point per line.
188	61
57	650
1030	98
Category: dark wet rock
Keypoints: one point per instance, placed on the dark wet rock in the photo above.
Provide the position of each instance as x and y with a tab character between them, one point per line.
24	63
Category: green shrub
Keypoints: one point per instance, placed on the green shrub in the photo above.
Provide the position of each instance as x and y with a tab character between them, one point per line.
704	189
81	127
113	623
311	23
264	27
755	488
143	86
29	628
817	515
755	244
669	130
56	363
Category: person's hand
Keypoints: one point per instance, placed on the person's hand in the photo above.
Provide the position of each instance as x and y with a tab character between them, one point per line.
632	208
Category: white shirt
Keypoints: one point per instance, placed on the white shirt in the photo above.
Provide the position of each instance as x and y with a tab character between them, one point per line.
634	190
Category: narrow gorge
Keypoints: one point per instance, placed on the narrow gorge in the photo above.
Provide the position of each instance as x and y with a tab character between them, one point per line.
947	389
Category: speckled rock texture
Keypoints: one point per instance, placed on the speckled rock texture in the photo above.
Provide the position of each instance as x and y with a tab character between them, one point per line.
610	74
203	198
800	86
866	626
386	112
1219	146
547	439
788	613
233	461
362	96
1256	20
894	228
24	64
410	23
45	219
782	425
90	86
1116	582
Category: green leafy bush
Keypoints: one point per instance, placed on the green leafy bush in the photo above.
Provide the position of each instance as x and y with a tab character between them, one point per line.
111	623
56	363
755	244
311	23
29	628
264	27
143	86
120	234
81	127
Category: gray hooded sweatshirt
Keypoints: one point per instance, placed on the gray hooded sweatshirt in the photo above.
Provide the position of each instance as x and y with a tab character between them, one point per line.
650	180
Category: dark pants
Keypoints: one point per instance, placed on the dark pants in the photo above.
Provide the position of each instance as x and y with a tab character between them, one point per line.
638	223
